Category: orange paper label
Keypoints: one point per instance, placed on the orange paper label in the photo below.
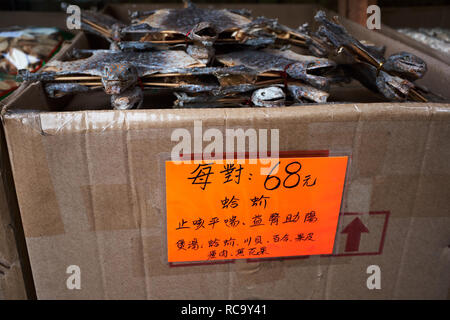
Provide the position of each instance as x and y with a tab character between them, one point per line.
229	210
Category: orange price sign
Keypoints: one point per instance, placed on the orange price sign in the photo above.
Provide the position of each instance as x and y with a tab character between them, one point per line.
229	210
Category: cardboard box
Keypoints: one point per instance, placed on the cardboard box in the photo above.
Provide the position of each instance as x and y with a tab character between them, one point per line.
12	284
15	273
91	191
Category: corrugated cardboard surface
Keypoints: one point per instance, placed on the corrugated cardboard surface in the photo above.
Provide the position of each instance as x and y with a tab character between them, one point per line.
11	279
90	186
12	284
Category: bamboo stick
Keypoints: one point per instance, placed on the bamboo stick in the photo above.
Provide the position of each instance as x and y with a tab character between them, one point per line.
96	26
76	78
417	96
297	41
159	84
298	35
274	81
91	83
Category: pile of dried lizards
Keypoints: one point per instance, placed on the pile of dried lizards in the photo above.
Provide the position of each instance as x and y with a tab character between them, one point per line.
216	58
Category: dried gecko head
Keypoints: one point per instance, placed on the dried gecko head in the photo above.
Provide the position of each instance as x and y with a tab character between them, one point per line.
406	65
117	77
269	97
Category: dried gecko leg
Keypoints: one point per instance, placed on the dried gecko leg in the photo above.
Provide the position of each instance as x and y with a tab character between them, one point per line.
129	99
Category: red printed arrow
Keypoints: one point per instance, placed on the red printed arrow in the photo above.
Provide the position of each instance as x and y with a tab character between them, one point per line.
354	230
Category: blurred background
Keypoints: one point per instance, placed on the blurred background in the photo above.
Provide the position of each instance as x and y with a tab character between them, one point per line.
54	5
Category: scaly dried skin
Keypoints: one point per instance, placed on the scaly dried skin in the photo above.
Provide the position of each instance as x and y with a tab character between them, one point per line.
338	36
216	90
269	97
299	92
201	53
208	25
146	63
216	71
182	21
292	64
119	72
116	78
302	92
25	75
266	29
315	43
260	28
139	45
55	90
204	33
239	77
406	65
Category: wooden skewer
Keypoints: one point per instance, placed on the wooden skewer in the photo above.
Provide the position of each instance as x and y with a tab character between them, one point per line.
274	81
230	99
159	84
417	96
99	28
174	85
170	31
269	74
368	57
297	41
91	83
298	35
76	78
107	35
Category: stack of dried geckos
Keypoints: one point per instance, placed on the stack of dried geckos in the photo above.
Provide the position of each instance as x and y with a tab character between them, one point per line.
215	58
